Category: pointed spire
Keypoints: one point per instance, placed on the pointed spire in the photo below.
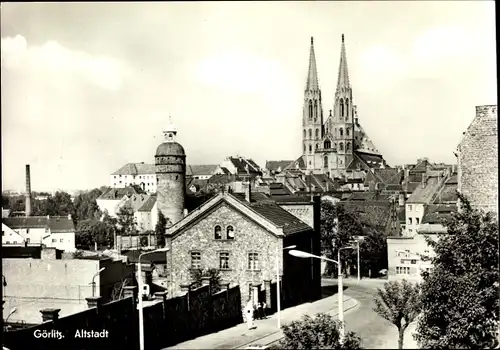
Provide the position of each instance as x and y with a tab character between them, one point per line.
343	78
312	74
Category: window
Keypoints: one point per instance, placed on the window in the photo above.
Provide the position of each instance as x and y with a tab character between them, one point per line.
402	270
310	109
54	240
410	230
8	242
3	233
217	232
341	132
409	208
347	131
317	133
426	252
341	145
310	149
195	260
253	261
317	146
326	161
327	144
61	240
315	110
230	232
413	262
27	231
310	134
304	148
305	133
224	261
348	146
409	221
27	240
418	220
341	107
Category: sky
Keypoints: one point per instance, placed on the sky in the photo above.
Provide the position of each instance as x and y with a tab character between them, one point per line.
88	87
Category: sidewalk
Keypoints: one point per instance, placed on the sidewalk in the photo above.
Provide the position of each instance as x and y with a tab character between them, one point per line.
240	336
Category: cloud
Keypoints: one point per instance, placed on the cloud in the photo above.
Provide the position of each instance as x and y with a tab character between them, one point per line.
53	58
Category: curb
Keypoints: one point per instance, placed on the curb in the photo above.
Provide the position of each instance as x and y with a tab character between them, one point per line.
267	340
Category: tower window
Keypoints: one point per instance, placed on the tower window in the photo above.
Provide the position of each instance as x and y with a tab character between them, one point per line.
347	131
305	133
348	146
217	232
341	146
304	148
327	144
317	146
315	110
341	132
230	232
310	109
347	107
310	134
317	133
310	149
341	107
326	161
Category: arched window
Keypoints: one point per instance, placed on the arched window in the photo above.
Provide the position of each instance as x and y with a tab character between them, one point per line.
341	105
305	133
341	132
347	131
347	107
310	149
326	161
317	133
327	144
230	232
317	145
310	134
304	148
310	109
341	146
348	146
335	132
218	232
315	110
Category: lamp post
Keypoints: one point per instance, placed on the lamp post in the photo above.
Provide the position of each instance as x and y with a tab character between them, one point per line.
141	314
301	254
93	282
7	319
357	239
278	289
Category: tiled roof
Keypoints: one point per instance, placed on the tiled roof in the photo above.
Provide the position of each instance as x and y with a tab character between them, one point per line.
453	180
278	189
368	196
275	165
411	186
136	169
148	205
389	175
225	170
292	199
204	169
136	201
393	187
298	163
426	194
447	194
372	160
421	166
199	184
436	214
370	213
119	193
55	223
241	164
255	197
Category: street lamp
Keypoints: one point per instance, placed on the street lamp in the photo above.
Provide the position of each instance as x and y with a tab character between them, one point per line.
278	289
141	314
93	277
10	314
301	254
356	240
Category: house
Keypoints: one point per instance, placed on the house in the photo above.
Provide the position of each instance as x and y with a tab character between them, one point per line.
240	167
114	198
51	231
140	174
477	156
146	216
244	238
200	172
277	166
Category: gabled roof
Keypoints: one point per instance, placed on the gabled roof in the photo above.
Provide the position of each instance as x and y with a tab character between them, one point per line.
299	163
447	194
119	193
421	166
203	169
278	189
148	205
199	184
436	214
242	164
54	223
265	213
136	201
372	160
426	194
275	165
389	175
225	170
136	169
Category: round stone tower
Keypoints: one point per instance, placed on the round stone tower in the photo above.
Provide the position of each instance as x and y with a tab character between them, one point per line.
170	168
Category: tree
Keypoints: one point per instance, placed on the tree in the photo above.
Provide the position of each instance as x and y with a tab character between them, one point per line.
214	274
60	204
399	303
338	226
320	332
373	252
118	287
86	205
160	229
125	225
91	231
460	295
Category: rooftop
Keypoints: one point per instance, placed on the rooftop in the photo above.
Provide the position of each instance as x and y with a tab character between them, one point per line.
54	223
370	213
148	205
425	194
278	165
119	193
203	169
136	169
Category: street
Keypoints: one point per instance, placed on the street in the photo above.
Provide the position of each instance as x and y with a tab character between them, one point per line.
375	332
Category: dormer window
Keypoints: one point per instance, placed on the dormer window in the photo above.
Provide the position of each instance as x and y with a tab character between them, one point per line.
230	232
218	232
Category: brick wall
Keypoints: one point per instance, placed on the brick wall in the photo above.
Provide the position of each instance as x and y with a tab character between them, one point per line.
478	160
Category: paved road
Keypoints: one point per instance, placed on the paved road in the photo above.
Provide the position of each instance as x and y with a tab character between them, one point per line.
375	332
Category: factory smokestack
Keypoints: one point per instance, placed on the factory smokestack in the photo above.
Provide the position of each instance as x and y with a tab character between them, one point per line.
28	191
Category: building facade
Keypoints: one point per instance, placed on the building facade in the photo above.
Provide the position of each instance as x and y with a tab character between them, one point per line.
478	160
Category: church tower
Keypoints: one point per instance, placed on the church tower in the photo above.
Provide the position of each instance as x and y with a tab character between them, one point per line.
170	168
342	123
312	116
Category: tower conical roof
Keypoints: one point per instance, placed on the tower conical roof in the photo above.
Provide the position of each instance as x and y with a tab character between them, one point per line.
343	78
312	74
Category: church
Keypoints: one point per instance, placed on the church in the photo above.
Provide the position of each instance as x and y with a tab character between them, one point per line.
336	145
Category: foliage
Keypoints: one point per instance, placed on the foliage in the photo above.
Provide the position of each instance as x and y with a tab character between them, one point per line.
78	254
118	287
214	274
144	241
126	225
338	226
460	295
399	303
92	231
60	204
160	229
373	252
320	332
86	205
194	200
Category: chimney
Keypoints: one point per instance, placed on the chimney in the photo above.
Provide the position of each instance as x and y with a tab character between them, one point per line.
28	191
248	193
453	169
424	180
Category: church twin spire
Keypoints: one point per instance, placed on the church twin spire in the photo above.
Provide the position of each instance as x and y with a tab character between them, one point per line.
312	75
343	77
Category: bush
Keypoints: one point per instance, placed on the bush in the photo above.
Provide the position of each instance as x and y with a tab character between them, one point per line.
320	332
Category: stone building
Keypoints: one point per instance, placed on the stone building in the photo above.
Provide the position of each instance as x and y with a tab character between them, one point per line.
478	160
170	168
244	237
335	144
